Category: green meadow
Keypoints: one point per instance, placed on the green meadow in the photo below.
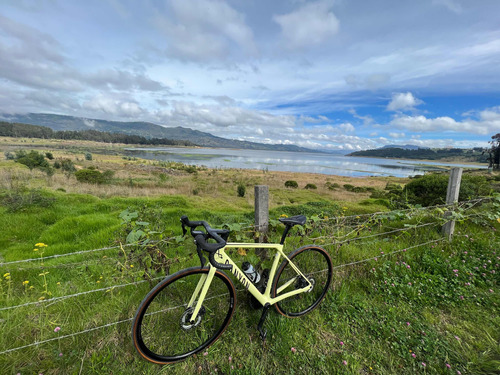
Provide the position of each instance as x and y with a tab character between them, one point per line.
417	304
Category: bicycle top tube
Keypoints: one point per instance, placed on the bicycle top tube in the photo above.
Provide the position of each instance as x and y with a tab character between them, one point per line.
220	236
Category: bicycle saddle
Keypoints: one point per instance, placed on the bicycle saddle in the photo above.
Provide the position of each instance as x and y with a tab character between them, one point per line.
294	220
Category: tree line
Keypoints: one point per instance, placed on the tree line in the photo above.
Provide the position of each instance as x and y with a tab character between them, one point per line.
17	130
475	154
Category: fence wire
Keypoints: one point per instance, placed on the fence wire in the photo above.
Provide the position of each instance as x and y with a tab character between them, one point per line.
37	343
374	258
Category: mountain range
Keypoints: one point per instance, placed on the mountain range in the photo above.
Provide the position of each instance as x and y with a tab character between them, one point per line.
145	129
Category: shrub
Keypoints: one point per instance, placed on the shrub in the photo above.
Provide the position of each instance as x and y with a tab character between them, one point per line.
9	155
359	189
291	184
393	186
49	155
88	156
67	166
57	164
241	190
430	189
311	186
32	160
349	187
333	186
89	176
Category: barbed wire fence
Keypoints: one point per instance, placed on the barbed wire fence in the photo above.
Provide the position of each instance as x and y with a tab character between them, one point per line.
335	242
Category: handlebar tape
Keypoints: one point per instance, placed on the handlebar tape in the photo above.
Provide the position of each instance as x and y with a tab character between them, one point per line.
212	248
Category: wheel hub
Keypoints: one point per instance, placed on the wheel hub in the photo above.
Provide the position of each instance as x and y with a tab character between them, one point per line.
302	283
186	323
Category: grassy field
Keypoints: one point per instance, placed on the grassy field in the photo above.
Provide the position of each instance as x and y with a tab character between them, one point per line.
431	309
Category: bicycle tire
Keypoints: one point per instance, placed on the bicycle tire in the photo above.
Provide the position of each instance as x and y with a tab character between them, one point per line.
161	331
316	265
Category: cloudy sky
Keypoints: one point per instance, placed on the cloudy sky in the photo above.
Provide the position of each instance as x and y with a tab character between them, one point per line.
330	74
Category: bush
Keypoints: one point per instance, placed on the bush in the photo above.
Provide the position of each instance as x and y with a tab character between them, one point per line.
349	187
291	184
89	176
32	160
393	186
49	155
88	156
9	155
333	186
311	186
430	189
67	166
359	189
241	190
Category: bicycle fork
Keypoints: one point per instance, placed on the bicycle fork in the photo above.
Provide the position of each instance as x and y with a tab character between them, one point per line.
200	293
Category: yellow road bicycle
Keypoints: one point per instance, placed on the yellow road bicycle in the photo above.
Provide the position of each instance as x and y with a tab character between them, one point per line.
188	311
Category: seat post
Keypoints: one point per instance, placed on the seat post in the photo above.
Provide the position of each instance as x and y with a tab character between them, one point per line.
285	232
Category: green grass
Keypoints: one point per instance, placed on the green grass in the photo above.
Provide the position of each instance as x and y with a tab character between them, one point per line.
363	310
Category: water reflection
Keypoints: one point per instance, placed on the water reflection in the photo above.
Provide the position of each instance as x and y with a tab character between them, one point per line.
289	161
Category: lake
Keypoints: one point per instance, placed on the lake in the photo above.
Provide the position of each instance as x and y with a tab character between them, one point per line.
291	161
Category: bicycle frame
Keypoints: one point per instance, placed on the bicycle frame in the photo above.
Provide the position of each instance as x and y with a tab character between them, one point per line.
264	298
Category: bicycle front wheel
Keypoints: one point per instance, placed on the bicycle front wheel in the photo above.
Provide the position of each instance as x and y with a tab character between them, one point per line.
162	330
316	265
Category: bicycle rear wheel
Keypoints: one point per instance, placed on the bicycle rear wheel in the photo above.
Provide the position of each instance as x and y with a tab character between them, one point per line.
162	332
316	265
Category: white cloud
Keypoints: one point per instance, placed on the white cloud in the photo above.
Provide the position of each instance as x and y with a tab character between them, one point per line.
488	122
204	30
397	135
403	102
115	107
193	115
312	24
346	128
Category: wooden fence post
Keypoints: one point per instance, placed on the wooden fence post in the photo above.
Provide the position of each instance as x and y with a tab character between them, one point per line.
261	208
452	197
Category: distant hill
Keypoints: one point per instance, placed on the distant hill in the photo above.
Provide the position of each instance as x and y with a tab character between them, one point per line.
444	154
18	130
144	129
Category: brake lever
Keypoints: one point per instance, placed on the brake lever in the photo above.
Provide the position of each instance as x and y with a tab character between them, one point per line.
203	260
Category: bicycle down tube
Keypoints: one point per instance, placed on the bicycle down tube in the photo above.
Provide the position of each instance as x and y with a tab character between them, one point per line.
263	298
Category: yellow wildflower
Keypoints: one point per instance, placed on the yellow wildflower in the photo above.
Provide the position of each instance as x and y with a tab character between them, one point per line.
41	298
41	244
26	282
35	249
283	215
6	274
131	266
